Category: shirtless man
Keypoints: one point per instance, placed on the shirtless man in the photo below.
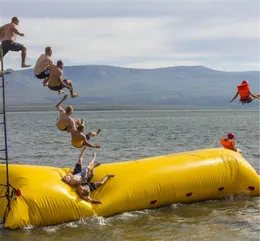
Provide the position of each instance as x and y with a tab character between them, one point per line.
79	139
65	122
8	34
82	178
55	81
79	175
85	189
43	65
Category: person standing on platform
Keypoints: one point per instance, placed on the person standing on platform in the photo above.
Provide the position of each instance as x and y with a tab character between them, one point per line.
8	34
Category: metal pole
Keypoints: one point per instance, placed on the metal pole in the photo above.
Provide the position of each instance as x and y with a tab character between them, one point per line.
5	131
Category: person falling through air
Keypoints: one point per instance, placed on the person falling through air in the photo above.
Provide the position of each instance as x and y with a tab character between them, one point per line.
81	178
55	81
42	66
79	139
65	122
245	94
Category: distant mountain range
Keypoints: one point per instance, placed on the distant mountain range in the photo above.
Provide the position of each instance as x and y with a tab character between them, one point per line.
181	86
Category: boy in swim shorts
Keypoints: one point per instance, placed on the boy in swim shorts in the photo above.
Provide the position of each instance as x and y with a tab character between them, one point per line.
83	176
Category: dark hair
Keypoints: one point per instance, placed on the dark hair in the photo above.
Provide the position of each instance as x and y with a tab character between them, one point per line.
14	19
59	62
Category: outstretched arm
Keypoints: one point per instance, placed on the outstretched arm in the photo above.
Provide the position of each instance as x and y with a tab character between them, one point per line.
62	83
88	199
58	107
89	144
73	124
236	95
48	67
234	146
253	95
17	32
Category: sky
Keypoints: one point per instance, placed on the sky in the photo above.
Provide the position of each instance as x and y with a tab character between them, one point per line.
219	34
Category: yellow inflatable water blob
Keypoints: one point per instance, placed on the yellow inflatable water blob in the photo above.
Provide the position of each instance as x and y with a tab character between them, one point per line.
41	198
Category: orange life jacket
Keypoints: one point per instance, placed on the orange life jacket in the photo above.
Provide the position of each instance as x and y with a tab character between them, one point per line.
227	143
243	91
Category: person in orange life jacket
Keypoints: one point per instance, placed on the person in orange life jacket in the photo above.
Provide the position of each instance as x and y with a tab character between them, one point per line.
245	94
229	143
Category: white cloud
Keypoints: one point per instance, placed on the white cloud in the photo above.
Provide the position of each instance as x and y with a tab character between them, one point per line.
200	34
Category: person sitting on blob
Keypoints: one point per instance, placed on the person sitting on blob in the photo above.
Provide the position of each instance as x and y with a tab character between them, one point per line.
229	143
245	94
65	122
79	139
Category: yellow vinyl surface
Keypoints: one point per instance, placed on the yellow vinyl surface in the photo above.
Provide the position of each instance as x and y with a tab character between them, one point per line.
140	184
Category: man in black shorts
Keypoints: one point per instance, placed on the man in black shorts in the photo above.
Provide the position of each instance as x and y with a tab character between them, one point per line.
55	81
42	66
82	177
8	34
85	189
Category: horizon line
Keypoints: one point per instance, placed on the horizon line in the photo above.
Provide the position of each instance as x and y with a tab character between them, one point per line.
122	67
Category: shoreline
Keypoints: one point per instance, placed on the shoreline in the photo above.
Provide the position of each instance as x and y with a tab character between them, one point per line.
103	107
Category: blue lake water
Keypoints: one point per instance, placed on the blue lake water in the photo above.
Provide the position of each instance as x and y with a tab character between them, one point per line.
126	135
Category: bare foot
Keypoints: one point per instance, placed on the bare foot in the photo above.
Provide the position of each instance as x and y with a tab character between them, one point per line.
25	65
75	95
97	164
60	92
110	175
98	131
